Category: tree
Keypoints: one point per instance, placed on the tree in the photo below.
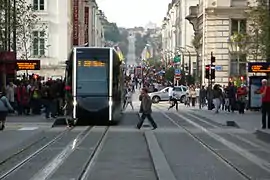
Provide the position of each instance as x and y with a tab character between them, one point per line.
259	29
112	33
27	23
140	43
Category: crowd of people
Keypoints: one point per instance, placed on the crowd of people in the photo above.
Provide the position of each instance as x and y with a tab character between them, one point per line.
32	98
219	98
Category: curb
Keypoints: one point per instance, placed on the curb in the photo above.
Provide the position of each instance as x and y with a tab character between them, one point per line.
263	135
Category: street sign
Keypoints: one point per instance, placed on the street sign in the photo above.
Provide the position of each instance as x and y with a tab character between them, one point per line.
177	77
218	68
176	59
177	71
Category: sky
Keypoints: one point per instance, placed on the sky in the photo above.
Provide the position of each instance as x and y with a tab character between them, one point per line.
131	13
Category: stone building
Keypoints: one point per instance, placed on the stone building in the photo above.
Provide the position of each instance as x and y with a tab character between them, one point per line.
215	21
69	23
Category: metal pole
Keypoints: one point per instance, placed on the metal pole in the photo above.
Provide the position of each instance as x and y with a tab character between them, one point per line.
189	63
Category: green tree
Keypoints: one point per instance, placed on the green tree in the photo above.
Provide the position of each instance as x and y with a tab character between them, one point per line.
259	29
27	23
112	33
169	74
140	43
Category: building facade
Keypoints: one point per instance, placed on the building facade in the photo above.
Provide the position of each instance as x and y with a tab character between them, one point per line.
216	22
67	23
178	34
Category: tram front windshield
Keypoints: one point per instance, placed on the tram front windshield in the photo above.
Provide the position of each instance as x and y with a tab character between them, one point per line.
92	74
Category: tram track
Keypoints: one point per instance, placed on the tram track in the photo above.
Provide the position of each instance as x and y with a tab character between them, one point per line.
56	161
32	155
188	130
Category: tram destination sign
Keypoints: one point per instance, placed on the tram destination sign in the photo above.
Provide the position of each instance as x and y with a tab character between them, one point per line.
90	63
27	65
259	67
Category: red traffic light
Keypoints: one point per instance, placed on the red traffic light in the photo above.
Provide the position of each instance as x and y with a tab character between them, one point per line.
242	78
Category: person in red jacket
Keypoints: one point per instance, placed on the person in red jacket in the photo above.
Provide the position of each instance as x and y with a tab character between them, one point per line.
241	98
265	92
22	99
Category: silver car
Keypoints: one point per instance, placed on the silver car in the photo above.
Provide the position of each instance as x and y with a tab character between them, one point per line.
163	95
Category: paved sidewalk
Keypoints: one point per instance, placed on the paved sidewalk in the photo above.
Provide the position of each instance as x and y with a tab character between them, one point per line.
250	121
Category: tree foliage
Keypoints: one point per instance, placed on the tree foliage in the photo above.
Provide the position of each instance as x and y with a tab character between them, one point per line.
27	22
259	29
141	41
114	34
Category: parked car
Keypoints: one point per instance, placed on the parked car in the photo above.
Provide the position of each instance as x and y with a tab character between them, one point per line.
163	95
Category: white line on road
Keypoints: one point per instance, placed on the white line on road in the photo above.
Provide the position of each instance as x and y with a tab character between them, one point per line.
53	165
28	128
161	165
246	154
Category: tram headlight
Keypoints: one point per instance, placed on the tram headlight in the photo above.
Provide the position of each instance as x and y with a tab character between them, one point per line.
74	103
110	103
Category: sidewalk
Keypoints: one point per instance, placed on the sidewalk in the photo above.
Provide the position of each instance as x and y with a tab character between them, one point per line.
250	121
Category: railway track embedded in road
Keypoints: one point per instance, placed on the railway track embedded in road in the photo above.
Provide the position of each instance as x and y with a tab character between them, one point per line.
32	155
205	145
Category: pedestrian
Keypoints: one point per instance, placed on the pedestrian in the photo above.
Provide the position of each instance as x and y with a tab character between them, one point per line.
129	99
265	93
217	96
174	100
5	107
146	109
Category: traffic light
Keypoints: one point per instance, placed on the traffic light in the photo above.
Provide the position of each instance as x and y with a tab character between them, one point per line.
35	76
213	59
213	72
242	78
207	71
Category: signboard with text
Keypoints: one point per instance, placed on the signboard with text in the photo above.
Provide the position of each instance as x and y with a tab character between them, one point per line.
27	65
75	22
259	67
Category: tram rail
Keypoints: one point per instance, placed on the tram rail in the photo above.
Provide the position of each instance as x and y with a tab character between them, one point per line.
32	155
196	137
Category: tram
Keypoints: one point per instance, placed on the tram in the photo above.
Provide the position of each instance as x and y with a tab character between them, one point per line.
94	86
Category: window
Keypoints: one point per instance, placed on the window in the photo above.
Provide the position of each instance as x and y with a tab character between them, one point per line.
238	26
38	43
238	65
178	89
39	5
91	79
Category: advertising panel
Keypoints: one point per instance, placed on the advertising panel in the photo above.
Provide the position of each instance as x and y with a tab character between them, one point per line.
255	99
75	22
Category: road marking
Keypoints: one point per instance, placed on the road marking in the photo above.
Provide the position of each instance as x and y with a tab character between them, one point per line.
161	165
53	165
246	154
28	128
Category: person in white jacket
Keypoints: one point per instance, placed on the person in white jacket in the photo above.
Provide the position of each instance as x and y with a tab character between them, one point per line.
129	99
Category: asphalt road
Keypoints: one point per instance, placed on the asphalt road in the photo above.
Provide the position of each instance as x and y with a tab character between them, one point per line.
183	147
131	58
